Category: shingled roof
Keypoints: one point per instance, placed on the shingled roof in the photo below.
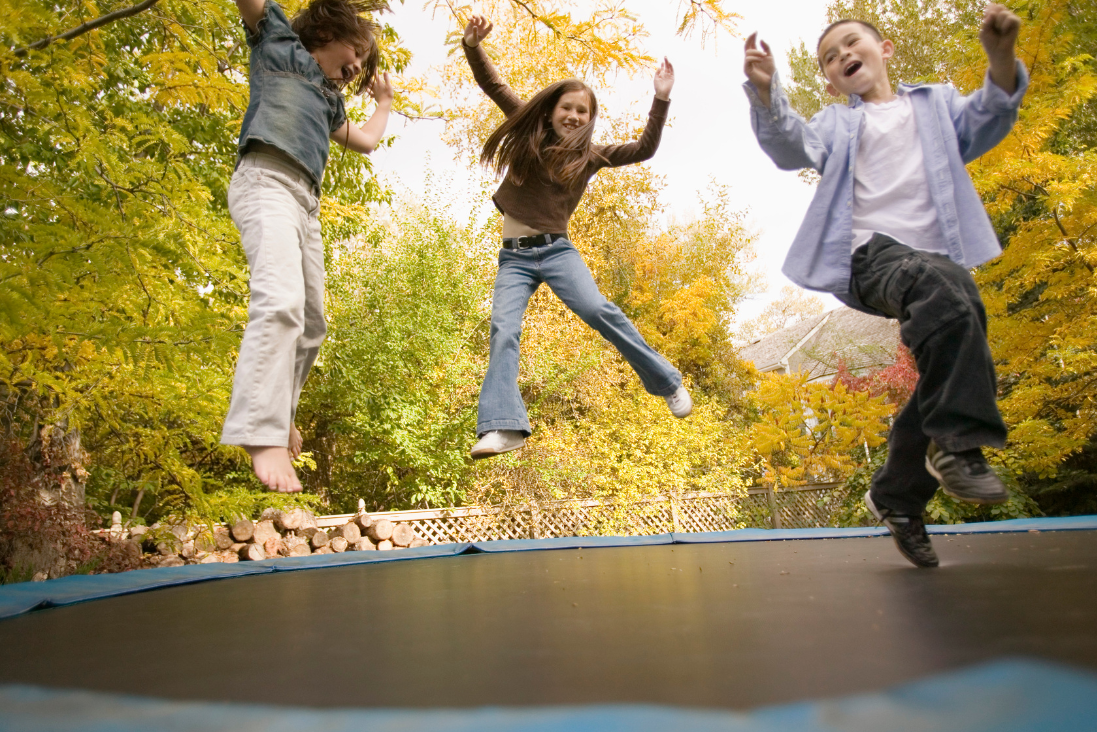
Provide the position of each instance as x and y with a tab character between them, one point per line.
815	345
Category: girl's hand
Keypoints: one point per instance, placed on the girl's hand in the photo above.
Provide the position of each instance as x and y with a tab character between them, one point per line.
382	88
477	30
759	66
664	80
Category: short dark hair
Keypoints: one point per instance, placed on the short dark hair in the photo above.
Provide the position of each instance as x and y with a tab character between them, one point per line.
842	21
346	21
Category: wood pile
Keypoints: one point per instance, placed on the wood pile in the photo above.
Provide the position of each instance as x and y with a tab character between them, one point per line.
276	533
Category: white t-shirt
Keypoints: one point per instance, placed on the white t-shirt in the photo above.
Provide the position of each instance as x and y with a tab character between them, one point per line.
890	192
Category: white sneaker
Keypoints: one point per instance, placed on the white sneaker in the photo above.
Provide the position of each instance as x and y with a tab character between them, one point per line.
680	403
496	442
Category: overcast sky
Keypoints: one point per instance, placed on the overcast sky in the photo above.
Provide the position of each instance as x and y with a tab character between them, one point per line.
710	138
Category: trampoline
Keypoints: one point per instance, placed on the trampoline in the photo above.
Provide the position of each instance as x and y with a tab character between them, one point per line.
706	627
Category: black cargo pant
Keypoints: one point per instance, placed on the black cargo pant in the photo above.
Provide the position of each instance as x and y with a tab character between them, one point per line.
944	324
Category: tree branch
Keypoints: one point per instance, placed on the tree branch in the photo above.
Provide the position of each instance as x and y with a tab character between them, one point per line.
1071	241
88	26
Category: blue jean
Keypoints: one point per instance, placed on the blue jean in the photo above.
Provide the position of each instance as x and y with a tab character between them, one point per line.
562	268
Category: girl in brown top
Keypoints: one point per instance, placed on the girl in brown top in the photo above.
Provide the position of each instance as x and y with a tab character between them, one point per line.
544	149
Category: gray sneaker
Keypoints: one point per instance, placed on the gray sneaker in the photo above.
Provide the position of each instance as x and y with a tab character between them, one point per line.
965	475
909	533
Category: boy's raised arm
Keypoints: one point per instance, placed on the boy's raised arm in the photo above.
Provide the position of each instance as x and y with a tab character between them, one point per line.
759	67
984	118
252	12
999	36
784	136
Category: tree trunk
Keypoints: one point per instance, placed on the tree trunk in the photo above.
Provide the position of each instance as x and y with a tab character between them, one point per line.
252	553
265	531
59	459
349	531
243	530
222	538
402	535
272	547
380	530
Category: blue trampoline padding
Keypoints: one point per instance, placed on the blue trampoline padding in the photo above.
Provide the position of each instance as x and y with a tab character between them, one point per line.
27	596
1007	696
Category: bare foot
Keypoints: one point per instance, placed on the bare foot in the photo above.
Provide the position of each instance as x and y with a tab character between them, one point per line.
273	467
295	442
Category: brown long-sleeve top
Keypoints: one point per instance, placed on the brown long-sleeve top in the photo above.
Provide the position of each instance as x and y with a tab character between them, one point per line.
542	203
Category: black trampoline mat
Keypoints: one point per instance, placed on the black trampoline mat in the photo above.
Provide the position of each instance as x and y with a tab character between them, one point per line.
733	625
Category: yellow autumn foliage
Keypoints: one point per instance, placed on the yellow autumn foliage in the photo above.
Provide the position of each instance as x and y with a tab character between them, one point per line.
810	433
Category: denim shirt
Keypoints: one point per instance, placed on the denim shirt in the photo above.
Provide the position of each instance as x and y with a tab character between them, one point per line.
292	105
953	130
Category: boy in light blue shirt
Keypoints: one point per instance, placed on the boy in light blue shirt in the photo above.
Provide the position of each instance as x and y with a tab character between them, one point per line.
893	229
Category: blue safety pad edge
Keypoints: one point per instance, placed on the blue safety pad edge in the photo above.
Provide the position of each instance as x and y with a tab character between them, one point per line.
1005	696
27	596
1006	526
24	597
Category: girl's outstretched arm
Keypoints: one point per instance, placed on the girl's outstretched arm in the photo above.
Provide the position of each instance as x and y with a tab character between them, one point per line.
482	69
364	139
644	148
664	80
252	12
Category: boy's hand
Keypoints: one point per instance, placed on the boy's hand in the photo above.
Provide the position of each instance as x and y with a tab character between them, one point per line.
664	80
382	88
477	30
998	36
759	67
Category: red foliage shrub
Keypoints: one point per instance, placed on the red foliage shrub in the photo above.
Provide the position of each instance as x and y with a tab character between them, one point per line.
897	381
51	539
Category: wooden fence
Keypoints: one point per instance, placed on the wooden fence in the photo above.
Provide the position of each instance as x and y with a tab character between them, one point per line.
761	507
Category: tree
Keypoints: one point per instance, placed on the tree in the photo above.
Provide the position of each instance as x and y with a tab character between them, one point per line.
895	382
795	305
814	432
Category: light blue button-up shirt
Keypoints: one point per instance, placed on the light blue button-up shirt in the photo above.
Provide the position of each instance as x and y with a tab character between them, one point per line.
953	129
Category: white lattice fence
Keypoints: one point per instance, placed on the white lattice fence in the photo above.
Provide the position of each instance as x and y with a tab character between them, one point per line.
801	507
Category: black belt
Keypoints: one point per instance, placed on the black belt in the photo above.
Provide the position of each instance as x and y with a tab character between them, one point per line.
528	242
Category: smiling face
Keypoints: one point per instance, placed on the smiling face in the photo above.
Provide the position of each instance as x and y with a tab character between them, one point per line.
339	62
571	112
854	62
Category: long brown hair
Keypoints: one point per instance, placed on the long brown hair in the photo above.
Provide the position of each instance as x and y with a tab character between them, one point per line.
346	21
526	140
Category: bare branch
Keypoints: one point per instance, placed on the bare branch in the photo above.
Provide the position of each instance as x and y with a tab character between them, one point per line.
88	26
408	115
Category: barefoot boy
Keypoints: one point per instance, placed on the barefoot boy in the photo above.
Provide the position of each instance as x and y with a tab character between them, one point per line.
893	229
298	71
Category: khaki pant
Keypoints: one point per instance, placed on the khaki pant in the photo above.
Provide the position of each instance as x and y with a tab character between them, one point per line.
276	209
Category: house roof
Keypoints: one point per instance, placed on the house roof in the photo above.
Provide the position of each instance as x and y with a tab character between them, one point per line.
815	345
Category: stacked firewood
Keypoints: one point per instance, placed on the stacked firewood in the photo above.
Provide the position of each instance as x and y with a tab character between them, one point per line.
279	533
